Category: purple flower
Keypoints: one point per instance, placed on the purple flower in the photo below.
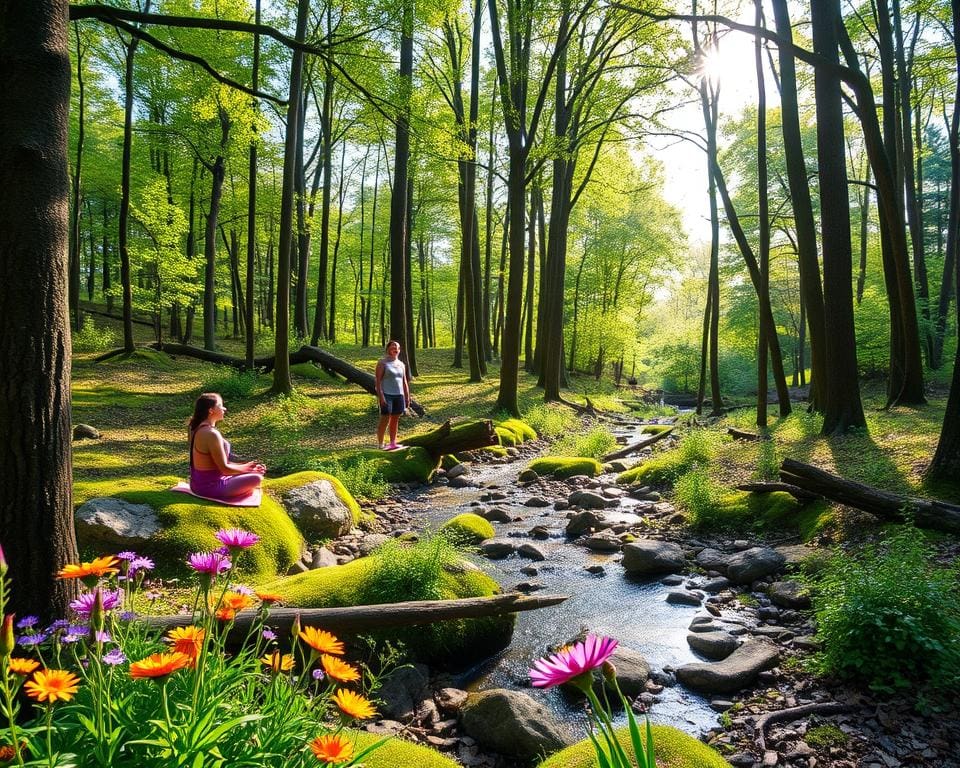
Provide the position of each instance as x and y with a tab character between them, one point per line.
70	638
102	637
128	616
209	563
317	674
127	555
235	538
269	634
28	641
114	657
81	630
573	663
58	625
83	605
27	622
243	589
141	564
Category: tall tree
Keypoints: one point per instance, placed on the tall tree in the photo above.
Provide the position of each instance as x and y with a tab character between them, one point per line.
252	201
36	508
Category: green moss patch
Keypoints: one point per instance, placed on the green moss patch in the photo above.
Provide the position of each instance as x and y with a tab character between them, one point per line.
407	465
281	485
144	356
520	429
656	429
467	530
396	752
566	466
673	748
497	450
506	437
428	570
188	525
696	449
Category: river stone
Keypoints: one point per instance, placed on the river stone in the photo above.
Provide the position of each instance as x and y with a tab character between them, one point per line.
317	511
582	522
107	524
402	691
496	549
321	557
512	723
528	476
531	552
737	671
540	532
85	432
713	645
451	700
536	501
496	515
712	560
683	597
463	481
789	594
604	541
587	500
751	564
457	470
633	671
649	557
371	541
713	586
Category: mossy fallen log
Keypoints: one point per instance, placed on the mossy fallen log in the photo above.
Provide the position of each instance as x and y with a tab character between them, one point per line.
453	438
927	513
647	441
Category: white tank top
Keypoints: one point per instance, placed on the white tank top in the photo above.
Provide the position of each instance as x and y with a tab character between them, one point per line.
393	374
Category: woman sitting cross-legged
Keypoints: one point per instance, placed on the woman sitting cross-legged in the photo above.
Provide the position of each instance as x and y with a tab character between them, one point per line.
213	474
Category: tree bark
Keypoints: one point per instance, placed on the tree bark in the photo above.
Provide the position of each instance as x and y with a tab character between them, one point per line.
36	508
252	203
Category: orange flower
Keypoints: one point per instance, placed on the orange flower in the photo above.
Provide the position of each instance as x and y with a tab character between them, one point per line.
22	666
353	704
187	640
159	666
100	566
226	614
52	685
332	748
339	670
269	598
321	641
8	752
235	601
277	662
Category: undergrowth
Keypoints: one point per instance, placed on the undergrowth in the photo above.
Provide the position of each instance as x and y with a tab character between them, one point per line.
595	444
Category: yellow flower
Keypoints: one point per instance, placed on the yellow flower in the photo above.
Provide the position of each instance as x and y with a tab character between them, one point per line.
353	704
159	666
235	601
322	641
277	662
332	748
52	685
100	566
187	640
22	666
339	670
268	598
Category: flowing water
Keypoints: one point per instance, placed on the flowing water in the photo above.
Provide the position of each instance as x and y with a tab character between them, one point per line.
632	611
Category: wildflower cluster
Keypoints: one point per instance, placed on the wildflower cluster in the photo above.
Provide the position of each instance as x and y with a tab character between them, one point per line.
139	697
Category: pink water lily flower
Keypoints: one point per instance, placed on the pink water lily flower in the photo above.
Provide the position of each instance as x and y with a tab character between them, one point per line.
572	662
236	538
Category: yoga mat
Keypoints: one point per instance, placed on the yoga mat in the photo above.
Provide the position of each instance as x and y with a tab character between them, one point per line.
252	499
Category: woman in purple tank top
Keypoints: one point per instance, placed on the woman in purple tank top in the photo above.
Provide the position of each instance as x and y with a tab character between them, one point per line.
212	472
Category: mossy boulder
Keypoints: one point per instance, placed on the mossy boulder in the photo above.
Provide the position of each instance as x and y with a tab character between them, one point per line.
497	450
506	437
566	466
467	530
673	748
318	502
187	524
397	573
519	431
396	752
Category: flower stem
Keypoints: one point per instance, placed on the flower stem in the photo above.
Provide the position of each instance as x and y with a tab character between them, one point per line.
8	707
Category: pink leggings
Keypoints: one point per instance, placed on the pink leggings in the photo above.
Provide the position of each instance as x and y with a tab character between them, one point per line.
210	483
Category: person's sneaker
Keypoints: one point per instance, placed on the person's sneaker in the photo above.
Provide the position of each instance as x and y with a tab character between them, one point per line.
392	447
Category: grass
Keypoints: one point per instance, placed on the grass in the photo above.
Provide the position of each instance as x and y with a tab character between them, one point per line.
595	443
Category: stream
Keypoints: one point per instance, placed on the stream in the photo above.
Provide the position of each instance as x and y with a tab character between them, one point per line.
632	611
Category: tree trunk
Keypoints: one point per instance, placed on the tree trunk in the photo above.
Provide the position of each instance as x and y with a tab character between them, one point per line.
842	408
36	508
252	203
77	201
124	216
341	191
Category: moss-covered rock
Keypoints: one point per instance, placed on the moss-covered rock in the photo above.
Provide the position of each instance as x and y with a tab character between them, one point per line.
395	752
506	437
397	573
188	524
520	429
673	748
280	486
497	450
566	466
407	465
448	461
467	530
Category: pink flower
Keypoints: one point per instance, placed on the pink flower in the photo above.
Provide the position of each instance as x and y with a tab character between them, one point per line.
209	563
235	538
572	662
83	605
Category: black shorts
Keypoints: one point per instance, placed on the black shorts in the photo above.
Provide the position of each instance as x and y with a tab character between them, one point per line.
393	405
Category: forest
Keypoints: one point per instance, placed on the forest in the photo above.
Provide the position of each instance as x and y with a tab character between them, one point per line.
730	228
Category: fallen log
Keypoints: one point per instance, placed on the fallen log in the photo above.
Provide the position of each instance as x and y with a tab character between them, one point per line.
453	438
794	713
927	513
739	434
798	493
306	353
626	451
362	618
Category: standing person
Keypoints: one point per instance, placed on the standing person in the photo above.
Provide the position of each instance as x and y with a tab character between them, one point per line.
213	474
393	393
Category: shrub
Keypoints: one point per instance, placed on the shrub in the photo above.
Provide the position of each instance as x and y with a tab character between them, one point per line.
696	449
467	530
890	617
361	476
231	383
550	420
596	443
92	338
